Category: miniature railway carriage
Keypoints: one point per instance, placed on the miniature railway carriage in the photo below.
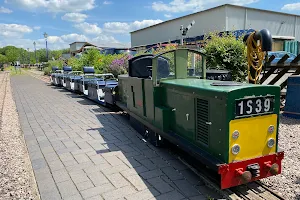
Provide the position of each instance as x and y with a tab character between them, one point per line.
231	127
96	86
63	77
70	79
86	78
54	77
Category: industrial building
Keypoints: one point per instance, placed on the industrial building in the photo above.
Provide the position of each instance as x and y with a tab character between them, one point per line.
285	28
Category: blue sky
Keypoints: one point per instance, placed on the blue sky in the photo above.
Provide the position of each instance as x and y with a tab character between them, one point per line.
104	23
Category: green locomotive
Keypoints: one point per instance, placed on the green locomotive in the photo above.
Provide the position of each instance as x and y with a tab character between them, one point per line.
231	127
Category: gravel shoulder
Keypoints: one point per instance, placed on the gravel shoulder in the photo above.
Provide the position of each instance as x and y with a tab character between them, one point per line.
16	175
288	182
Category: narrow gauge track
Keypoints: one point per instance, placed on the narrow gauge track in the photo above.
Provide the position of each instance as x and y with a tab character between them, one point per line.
3	88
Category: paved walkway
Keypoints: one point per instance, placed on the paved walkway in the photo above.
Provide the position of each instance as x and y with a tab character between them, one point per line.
80	151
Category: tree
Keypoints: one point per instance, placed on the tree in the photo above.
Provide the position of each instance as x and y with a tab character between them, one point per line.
227	52
41	55
3	59
12	53
56	54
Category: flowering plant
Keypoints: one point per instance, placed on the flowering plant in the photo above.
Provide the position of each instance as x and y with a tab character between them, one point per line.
119	65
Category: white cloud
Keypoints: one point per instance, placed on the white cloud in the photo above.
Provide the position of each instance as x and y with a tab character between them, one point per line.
5	10
60	42
108	41
122	27
167	15
177	6
74	37
36	27
291	7
87	28
14	30
117	27
107	2
54	5
63	41
74	17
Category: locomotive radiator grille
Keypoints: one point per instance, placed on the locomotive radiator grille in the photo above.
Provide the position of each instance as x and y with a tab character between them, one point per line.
202	118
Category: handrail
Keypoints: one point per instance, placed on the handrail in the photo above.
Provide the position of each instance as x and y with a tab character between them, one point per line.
155	64
173	50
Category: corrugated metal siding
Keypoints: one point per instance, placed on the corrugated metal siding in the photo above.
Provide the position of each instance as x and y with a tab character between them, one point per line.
235	18
278	24
243	18
218	19
214	20
297	29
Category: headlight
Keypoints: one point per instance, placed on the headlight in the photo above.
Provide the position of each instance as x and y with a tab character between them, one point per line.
271	142
271	129
235	134
235	149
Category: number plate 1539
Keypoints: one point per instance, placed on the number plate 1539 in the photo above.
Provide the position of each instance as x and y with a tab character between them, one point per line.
254	106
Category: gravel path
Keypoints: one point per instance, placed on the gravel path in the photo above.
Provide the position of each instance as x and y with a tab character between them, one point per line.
16	175
288	183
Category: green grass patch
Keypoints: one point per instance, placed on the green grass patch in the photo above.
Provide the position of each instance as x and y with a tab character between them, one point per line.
13	70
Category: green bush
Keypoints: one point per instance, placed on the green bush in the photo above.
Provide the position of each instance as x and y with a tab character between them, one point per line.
47	70
75	63
227	52
93	58
48	66
104	61
58	63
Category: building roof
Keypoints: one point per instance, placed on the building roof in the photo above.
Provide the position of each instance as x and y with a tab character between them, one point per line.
77	42
223	5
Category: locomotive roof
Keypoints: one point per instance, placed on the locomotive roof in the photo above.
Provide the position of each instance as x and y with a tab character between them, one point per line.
206	84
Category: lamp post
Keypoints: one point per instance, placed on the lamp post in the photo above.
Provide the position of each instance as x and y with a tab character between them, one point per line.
28	56
45	36
34	51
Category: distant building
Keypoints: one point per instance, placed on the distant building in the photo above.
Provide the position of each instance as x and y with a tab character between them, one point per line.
65	55
79	47
284	27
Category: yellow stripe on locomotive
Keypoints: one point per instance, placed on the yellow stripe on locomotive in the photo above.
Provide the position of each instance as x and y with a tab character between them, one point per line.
252	137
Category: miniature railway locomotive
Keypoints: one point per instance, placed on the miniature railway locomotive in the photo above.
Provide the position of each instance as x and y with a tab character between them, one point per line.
231	127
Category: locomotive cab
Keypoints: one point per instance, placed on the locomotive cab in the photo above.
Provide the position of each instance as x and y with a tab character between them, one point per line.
232	127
